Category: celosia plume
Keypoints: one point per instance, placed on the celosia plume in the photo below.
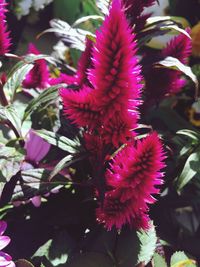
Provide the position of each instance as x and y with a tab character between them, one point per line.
38	76
84	64
115	79
179	47
134	10
4	33
79	107
168	81
115	75
133	177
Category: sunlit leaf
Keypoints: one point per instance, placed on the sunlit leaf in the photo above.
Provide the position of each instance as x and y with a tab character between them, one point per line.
87	18
194	135
179	259
46	97
189	171
174	63
159	261
148	241
64	143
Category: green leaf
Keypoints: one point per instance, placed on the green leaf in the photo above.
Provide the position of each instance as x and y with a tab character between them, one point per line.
64	163
14	81
45	98
103	6
127	248
174	63
159	261
10	162
87	18
91	259
55	251
179	259
165	22
10	116
64	143
190	169
194	135
23	263
36	182
148	241
74	36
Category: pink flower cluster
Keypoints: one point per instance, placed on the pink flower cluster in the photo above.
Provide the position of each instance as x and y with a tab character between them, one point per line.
5	259
109	98
4	34
106	106
168	82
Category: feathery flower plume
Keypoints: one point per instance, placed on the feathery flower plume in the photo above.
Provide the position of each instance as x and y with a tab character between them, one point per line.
63	78
179	47
38	76
168	81
134	10
5	259
81	77
79	107
84	64
4	34
115	78
133	177
117	129
115	75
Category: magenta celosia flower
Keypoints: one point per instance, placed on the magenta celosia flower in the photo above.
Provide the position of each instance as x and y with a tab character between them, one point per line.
63	78
118	128
115	77
79	107
36	147
133	176
179	47
81	77
38	76
84	64
5	259
4	34
168	81
134	10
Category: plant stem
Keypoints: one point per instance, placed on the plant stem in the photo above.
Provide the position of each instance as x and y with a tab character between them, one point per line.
3	98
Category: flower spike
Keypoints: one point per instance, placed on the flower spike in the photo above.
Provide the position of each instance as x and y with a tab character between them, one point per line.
4	33
38	76
135	174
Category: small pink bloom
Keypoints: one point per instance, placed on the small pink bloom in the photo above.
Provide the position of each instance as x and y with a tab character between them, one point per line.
36	147
5	259
63	78
168	81
38	76
36	201
179	47
4	34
